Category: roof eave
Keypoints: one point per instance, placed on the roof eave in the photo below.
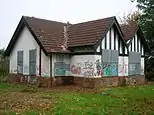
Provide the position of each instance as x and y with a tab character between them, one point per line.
14	37
21	25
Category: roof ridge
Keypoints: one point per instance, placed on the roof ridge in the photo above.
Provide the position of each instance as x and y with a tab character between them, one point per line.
26	17
94	20
133	24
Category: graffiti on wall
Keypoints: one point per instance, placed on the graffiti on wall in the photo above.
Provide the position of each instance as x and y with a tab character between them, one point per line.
135	69
44	72
123	69
88	69
109	69
105	69
76	69
114	69
99	69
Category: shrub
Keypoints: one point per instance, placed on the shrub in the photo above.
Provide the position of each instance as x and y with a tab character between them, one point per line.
4	69
30	89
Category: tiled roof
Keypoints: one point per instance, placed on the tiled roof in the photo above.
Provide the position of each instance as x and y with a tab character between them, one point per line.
51	33
129	31
88	33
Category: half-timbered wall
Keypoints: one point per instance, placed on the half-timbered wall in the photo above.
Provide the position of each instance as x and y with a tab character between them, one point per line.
112	41
114	61
136	46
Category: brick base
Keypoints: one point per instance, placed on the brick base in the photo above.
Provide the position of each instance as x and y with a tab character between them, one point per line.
109	81
40	81
81	81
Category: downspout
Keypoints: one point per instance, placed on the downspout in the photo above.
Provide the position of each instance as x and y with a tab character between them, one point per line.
51	65
40	62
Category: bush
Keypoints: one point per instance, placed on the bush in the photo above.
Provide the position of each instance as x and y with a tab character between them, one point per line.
4	69
149	75
30	89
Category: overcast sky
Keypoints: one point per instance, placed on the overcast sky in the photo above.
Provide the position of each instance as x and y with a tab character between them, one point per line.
73	11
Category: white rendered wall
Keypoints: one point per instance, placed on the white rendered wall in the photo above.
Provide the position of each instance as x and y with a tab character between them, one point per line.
108	41
45	65
139	44
85	65
123	66
112	39
25	43
142	66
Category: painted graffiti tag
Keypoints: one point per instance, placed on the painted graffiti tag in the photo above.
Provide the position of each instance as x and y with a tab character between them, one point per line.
88	64
76	70
88	72
105	69
98	67
88	69
123	69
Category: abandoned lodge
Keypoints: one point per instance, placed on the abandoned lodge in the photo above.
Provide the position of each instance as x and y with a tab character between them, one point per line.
98	52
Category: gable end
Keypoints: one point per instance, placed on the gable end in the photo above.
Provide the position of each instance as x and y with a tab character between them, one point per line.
16	34
115	29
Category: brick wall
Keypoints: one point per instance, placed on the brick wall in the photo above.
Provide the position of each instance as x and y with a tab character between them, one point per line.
81	81
109	81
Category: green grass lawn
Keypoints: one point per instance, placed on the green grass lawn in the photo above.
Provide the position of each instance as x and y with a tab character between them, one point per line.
70	100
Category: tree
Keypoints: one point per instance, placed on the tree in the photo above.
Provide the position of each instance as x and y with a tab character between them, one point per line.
146	21
131	18
2	51
145	18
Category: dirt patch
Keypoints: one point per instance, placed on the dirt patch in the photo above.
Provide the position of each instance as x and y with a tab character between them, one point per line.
72	88
150	82
21	102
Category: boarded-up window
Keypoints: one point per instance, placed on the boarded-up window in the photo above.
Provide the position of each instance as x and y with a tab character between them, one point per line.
60	66
59	58
110	62
114	56
32	62
20	61
106	55
134	63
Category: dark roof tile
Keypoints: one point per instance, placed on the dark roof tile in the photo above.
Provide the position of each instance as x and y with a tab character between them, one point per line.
51	33
88	33
129	31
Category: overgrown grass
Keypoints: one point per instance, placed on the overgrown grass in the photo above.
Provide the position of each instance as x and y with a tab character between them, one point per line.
134	100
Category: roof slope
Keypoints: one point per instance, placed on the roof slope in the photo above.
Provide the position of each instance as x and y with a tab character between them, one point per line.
129	31
88	33
49	33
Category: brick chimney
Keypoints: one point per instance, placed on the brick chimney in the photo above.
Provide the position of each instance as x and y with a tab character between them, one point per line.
66	37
